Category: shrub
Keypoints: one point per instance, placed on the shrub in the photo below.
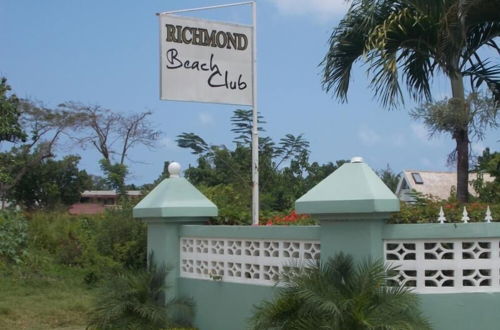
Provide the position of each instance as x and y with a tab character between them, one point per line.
426	210
340	295
13	236
98	241
136	300
291	218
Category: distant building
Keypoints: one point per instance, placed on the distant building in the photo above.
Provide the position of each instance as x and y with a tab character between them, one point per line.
97	201
437	184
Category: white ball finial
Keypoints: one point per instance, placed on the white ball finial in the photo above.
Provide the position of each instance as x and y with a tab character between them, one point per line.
356	159
174	169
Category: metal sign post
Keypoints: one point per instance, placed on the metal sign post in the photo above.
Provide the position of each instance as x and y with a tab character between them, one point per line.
218	42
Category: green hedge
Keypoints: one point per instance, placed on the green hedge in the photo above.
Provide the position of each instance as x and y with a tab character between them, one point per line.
427	211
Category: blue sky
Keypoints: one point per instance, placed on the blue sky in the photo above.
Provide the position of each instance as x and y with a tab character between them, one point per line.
106	53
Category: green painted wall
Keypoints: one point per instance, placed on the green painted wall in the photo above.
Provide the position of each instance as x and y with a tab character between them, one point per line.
360	238
437	230
223	306
227	306
257	232
163	241
462	311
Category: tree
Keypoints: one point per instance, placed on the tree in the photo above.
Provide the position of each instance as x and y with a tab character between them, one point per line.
45	128
339	295
488	162
51	183
136	300
412	40
441	117
10	127
390	178
113	135
228	171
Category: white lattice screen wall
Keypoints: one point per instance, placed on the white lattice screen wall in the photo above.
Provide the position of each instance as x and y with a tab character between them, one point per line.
243	261
446	265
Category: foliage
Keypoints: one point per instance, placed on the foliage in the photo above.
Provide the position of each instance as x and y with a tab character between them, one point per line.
291	218
113	135
409	41
10	127
426	210
115	175
50	183
137	301
340	295
13	236
224	174
101	243
390	178
45	127
488	162
479	113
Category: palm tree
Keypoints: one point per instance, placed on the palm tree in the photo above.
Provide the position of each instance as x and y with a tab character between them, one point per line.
338	295
410	41
136	300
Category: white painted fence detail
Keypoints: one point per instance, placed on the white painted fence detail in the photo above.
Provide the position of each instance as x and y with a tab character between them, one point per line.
446	265
243	261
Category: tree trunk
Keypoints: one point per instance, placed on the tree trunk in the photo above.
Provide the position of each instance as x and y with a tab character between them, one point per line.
461	137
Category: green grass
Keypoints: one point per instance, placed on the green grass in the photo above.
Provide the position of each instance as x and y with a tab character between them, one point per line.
52	299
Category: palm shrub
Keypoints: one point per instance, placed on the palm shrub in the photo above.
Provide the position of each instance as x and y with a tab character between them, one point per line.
136	300
340	295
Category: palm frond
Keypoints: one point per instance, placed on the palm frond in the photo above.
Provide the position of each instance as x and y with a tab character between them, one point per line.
339	295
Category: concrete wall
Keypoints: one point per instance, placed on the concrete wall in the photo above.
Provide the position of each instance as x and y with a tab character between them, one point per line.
227	306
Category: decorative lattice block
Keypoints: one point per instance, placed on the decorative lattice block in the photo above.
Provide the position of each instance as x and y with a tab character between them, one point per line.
446	266
244	261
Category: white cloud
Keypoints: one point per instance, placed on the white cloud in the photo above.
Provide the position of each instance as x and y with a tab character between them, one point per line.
206	119
168	143
368	136
322	9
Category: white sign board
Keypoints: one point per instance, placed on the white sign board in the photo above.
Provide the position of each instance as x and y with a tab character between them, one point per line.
205	61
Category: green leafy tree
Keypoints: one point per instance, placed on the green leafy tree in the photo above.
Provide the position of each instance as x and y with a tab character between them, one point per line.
51	183
46	127
10	126
115	175
221	169
410	41
340	295
390	178
488	162
136	300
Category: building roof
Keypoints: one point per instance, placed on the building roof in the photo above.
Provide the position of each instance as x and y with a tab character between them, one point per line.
108	193
437	184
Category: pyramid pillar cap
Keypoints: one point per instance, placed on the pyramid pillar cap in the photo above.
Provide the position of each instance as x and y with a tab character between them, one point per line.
354	188
175	198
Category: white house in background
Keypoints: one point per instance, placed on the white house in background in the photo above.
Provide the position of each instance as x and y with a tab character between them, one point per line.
437	184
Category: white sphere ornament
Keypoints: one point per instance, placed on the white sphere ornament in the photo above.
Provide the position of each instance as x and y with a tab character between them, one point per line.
174	169
356	159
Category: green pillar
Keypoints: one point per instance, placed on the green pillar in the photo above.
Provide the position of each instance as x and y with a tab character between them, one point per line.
173	203
352	205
